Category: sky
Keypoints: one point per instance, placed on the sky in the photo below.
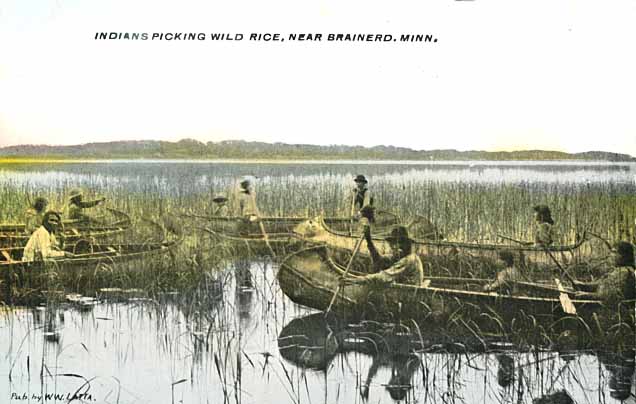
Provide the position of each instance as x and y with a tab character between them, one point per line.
503	74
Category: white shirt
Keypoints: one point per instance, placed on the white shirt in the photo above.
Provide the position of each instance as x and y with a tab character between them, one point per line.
41	244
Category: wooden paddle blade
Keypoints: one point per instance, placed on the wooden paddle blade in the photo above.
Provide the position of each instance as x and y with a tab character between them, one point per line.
566	303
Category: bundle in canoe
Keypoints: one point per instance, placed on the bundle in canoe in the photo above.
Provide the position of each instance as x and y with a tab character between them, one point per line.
310	277
320	231
13	235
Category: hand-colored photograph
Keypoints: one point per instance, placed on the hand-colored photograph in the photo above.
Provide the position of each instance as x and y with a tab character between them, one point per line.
319	202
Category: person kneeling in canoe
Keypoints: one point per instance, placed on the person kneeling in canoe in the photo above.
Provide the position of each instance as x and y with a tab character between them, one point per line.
620	283
76	206
544	227
402	266
42	244
507	277
35	214
221	207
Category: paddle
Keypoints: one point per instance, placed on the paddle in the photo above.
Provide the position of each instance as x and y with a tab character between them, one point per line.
353	255
566	303
527	243
266	237
262	227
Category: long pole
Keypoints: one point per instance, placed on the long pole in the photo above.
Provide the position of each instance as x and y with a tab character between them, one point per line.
353	255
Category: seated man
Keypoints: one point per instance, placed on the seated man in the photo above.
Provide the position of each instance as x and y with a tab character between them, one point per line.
220	205
544	231
402	266
42	244
35	214
617	285
507	277
76	205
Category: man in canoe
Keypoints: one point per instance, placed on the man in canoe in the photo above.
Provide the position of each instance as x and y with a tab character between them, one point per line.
35	214
402	266
76	206
507	277
220	205
361	198
42	244
544	229
617	285
247	209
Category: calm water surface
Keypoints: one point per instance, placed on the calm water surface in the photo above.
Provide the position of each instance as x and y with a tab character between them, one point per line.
224	347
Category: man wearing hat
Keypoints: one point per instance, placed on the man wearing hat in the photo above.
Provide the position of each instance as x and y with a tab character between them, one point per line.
76	205
246	205
360	197
42	244
544	233
247	200
220	203
402	266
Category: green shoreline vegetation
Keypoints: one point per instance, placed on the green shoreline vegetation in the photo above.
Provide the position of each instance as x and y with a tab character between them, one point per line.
242	150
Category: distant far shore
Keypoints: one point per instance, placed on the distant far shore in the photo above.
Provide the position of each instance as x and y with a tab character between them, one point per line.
193	150
470	163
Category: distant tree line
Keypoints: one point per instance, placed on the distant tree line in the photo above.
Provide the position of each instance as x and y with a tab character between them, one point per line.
238	149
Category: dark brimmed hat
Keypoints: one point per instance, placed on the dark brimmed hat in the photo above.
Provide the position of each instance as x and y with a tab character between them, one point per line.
40	203
624	249
360	178
398	233
245	182
542	209
220	198
75	193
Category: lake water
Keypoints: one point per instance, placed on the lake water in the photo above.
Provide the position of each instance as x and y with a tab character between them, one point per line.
177	177
225	348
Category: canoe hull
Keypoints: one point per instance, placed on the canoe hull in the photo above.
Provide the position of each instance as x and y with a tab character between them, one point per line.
310	278
32	279
13	235
319	231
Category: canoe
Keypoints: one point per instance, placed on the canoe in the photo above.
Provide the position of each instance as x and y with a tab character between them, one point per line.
13	235
311	276
279	228
84	264
319	231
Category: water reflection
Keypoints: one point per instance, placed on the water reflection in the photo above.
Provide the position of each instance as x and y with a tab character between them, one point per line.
320	343
237	339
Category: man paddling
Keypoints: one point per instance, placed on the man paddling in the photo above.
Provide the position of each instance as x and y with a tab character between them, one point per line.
42	244
402	266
